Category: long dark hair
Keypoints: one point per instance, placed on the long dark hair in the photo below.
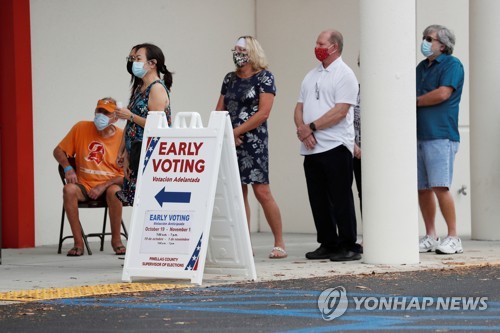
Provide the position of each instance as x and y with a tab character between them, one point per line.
153	52
134	80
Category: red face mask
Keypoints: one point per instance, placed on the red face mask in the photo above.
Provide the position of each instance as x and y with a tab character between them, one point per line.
322	52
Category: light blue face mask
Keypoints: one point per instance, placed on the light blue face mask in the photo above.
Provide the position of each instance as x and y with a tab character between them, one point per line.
426	48
101	121
138	69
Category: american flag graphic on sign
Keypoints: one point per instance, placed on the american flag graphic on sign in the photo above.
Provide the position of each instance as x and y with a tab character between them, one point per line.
149	150
193	262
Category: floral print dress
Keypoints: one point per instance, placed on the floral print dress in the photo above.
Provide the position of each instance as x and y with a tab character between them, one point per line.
241	100
134	134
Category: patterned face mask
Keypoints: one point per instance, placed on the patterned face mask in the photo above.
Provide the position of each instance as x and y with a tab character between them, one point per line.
240	58
322	52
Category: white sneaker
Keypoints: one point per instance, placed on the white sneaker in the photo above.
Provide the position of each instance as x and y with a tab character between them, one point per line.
427	244
450	245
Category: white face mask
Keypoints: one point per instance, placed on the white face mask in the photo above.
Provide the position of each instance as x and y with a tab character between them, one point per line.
101	121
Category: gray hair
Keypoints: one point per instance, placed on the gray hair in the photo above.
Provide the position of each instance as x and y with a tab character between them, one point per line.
444	35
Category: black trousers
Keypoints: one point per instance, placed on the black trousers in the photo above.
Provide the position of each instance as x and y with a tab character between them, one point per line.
329	177
356	165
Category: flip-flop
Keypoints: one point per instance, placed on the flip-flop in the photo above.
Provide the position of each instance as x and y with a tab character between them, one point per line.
120	250
75	252
280	250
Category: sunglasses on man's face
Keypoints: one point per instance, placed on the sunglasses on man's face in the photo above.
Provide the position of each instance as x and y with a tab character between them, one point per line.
429	39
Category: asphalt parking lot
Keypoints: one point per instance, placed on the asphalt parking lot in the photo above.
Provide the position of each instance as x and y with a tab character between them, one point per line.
458	300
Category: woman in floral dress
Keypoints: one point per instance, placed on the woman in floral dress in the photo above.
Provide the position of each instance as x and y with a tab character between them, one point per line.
248	95
153	93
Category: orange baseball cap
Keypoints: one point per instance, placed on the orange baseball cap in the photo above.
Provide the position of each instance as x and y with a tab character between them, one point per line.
106	104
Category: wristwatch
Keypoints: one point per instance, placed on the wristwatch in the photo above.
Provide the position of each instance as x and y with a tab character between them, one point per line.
312	127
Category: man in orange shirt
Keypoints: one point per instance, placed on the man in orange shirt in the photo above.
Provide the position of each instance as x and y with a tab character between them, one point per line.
94	145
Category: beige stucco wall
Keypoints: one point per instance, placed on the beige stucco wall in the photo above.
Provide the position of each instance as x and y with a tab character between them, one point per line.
288	32
79	50
289	42
455	15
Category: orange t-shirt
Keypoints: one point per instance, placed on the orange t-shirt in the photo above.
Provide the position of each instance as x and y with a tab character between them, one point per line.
95	156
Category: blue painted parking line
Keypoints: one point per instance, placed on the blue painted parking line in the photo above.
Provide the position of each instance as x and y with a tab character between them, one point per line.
304	304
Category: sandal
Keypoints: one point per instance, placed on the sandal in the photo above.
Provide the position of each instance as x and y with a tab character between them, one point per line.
278	253
120	250
75	252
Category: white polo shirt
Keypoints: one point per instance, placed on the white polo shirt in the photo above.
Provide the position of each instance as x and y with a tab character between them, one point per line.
321	89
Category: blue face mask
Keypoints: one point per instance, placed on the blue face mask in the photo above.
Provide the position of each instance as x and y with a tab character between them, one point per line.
426	48
101	121
138	69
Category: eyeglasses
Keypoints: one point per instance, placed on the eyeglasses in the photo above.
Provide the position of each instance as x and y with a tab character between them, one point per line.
429	39
239	50
130	58
317	91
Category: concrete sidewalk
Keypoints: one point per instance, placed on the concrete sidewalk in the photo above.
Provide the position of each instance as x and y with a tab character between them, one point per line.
42	267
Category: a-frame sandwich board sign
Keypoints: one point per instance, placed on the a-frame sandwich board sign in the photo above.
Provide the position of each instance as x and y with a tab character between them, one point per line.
188	202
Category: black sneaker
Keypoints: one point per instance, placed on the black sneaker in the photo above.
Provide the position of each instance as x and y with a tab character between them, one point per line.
357	248
320	253
345	255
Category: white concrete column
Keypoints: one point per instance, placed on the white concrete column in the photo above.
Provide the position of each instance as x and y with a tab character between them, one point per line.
389	163
485	119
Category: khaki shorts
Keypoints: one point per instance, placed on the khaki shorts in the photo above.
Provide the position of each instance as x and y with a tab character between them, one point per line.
86	195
